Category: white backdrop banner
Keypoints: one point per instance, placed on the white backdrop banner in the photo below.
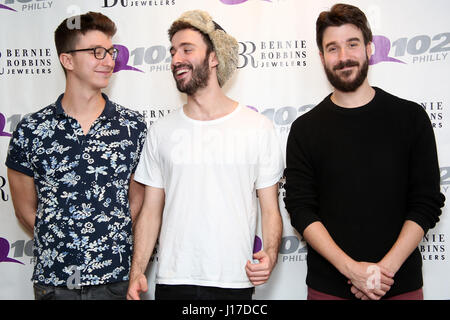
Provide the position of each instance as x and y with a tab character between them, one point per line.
279	75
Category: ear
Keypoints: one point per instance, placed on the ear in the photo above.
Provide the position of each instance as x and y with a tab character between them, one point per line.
369	51
66	60
322	58
213	61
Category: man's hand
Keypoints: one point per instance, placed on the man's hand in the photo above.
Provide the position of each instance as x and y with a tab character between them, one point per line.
137	285
259	273
369	280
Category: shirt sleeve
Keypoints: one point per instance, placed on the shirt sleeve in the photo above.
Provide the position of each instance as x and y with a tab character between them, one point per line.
301	198
424	197
270	159
140	145
18	157
148	170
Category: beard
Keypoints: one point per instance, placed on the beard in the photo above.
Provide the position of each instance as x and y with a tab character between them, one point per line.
199	79
340	83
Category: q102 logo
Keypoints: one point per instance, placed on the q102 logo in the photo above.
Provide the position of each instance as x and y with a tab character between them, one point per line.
2	126
20	248
153	56
445	178
422	48
283	116
13	120
6	8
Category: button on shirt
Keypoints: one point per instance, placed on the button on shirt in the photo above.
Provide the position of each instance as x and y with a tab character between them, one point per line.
83	224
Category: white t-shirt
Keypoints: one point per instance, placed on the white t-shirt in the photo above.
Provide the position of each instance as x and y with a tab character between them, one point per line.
210	171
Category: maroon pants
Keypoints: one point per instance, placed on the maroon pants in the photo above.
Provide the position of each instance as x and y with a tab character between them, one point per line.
412	295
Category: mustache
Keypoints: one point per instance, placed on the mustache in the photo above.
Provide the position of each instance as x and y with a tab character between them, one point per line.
346	64
182	65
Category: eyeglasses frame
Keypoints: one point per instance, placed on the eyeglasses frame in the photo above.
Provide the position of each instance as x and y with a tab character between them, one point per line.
114	54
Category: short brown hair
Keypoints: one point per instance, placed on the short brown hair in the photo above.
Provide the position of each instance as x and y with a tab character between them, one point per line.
66	36
181	25
339	15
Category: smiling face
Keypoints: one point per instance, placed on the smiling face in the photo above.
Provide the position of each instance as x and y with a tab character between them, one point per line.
83	67
190	62
345	57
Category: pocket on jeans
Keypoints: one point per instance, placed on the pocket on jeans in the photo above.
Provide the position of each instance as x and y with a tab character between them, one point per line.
42	292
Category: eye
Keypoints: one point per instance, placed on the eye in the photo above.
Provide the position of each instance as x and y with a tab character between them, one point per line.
331	49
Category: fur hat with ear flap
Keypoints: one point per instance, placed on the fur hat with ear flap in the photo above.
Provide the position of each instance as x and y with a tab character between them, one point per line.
225	46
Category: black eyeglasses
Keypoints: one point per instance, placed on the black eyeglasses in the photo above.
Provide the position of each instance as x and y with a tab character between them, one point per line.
100	52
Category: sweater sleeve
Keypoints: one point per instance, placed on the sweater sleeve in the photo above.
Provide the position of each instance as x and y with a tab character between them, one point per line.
301	198
424	197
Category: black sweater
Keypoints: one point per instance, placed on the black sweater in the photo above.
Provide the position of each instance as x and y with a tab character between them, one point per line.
362	172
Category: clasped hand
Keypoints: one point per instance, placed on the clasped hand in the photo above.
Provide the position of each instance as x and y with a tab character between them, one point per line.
370	281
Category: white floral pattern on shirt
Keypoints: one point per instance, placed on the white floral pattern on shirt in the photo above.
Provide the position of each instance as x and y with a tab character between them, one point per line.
83	217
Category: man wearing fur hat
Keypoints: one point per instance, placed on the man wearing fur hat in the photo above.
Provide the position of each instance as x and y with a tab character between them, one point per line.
204	166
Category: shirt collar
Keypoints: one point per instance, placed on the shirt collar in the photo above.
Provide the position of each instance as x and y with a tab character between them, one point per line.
108	112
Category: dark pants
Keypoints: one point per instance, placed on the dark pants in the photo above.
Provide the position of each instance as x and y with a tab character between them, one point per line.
110	291
412	295
188	292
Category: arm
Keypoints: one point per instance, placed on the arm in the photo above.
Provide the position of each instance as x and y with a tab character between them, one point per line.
358	273
24	198
424	200
424	197
271	231
136	193
408	240
145	235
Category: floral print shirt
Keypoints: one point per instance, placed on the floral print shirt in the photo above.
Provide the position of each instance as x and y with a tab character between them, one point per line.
83	220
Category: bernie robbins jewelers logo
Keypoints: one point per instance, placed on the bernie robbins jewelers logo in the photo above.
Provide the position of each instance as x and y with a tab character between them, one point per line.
25	61
433	247
416	50
435	111
273	54
26	5
137	3
151	114
3	193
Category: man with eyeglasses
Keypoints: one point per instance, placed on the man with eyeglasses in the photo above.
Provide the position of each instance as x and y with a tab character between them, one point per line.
70	170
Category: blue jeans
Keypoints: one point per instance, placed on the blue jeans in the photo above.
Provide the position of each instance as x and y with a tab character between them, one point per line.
109	291
189	292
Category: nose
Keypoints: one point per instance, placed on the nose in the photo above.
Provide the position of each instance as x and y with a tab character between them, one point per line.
176	58
342	54
108	61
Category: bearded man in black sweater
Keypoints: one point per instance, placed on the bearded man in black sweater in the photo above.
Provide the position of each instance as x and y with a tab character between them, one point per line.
362	175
